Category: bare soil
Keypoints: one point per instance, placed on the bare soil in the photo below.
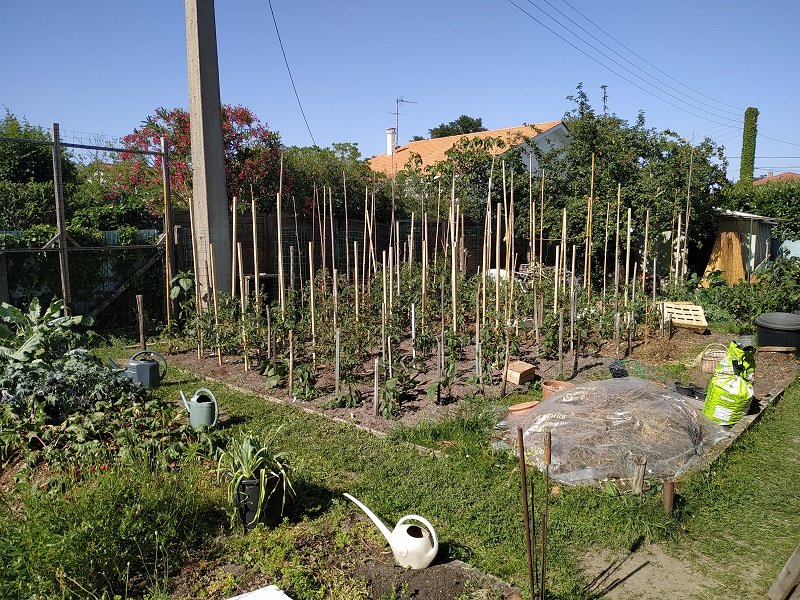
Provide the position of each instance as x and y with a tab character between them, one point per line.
648	357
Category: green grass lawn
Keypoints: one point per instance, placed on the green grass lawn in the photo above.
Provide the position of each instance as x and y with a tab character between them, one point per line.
741	520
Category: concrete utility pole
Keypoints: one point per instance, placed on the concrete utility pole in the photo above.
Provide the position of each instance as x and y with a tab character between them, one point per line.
209	197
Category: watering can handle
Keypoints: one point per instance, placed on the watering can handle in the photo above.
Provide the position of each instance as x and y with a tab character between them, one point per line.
208	393
427	524
162	362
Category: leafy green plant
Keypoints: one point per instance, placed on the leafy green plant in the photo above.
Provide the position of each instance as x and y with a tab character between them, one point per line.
274	373
305	380
252	458
34	334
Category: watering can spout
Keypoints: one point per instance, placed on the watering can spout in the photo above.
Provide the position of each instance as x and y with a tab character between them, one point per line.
378	523
185	401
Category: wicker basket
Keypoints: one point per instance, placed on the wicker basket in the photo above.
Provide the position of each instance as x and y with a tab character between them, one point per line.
710	359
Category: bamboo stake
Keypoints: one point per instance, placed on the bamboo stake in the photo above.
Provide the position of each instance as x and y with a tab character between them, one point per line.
198	304
605	254
391	279
335	299
336	366
541	227
572	304
281	283
478	335
411	247
627	257
333	239
616	274
233	250
531	212
291	360
356	288
256	273
364	240
561	341
299	250
547	460
216	302
685	254
678	251
564	249
453	243
644	252
291	268
497	271
413	332
375	396
312	285
524	481
556	279
243	307
346	225
589	217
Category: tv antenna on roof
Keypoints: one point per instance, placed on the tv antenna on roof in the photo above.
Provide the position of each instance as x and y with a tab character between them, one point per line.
396	113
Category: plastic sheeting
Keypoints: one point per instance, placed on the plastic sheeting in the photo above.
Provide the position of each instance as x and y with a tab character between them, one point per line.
600	428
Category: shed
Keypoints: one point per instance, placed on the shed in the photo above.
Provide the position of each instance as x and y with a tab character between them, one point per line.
743	242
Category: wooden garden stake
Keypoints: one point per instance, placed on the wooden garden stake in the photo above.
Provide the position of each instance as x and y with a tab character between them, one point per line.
333	239
453	243
291	268
375	396
291	360
281	285
216	303
198	303
587	282
356	288
313	308
678	251
389	350
644	252
627	257
234	255
346	226
256	274
564	249
556	280
639	470
605	254
413	332
242	307
478	335
506	359
541	226
561	341
668	495
269	335
572	303
335	299
140	316
497	272
524	481
336	374
531	210
616	275
547	461
299	250
383	333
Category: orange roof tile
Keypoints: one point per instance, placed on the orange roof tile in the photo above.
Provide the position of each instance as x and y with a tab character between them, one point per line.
433	150
779	178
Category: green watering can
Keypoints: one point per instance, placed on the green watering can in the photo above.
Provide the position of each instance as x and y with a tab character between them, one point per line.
202	407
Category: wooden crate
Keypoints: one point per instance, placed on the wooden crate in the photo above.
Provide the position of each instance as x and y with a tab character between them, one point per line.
684	314
520	372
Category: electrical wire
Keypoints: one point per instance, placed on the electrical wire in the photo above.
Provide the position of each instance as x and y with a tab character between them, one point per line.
294	87
633	83
654	78
644	60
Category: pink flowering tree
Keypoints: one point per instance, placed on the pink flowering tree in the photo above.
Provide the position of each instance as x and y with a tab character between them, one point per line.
252	157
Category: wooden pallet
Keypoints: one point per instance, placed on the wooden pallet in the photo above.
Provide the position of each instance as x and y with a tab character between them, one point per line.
786	584
684	314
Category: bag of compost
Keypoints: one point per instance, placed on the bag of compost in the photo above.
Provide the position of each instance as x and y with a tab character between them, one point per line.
739	361
727	399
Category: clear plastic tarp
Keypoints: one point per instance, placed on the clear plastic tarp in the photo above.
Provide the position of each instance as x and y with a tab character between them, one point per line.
599	429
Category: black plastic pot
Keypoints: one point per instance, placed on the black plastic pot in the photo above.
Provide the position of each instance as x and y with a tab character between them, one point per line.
778	329
618	369
246	501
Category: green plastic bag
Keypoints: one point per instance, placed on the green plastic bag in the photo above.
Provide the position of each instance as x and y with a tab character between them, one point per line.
738	361
728	399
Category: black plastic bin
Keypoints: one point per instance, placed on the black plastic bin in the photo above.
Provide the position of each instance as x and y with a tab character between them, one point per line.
778	329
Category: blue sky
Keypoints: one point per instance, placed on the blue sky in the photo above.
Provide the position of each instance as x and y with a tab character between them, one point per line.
102	67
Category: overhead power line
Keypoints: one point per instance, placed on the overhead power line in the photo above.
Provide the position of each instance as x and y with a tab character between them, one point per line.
615	72
661	82
644	60
294	87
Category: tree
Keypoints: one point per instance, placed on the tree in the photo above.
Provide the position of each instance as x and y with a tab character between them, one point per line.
460	126
252	157
748	161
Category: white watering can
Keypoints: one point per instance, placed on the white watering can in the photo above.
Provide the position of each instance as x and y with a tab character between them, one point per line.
202	407
411	545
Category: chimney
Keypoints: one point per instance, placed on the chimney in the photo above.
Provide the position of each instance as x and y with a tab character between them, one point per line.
391	140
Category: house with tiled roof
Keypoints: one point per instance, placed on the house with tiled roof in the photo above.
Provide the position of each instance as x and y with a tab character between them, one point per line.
779	178
547	135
